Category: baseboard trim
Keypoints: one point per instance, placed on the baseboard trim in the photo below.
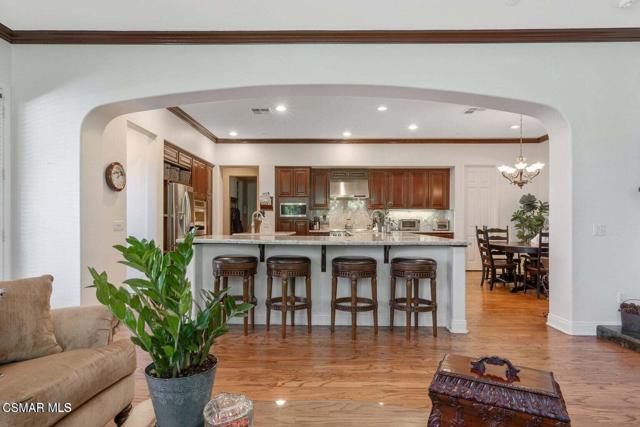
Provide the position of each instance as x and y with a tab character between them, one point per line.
577	328
458	327
559	323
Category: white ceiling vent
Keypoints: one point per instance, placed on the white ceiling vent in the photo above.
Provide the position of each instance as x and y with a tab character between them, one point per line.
473	110
260	110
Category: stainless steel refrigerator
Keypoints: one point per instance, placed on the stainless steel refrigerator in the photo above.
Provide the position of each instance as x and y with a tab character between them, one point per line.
180	214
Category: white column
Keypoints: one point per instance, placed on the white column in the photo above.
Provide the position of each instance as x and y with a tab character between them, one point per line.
457	314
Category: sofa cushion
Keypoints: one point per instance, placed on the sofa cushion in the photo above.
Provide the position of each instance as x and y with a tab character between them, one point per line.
71	377
26	326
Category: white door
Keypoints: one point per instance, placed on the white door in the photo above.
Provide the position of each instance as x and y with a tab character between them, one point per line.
481	207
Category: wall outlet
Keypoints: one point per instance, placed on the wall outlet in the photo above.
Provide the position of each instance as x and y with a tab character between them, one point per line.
118	225
599	230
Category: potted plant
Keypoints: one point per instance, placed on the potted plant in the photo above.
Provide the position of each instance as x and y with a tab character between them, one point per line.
164	321
530	218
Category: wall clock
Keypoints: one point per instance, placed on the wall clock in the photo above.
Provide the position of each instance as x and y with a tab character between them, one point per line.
116	176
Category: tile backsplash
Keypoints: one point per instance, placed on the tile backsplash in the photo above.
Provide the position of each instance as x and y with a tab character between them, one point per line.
356	213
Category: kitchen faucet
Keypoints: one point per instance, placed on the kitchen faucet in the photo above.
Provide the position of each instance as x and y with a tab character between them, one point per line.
372	215
256	214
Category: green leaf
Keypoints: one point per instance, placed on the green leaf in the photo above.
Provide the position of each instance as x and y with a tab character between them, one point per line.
118	308
168	350
185	303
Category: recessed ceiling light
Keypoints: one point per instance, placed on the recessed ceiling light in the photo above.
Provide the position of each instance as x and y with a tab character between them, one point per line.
233	133
515	126
413	126
382	108
346	134
281	402
281	108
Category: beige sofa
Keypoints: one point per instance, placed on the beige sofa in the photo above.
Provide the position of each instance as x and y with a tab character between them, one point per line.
93	374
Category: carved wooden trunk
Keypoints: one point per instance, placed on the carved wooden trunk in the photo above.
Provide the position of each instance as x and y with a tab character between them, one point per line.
492	392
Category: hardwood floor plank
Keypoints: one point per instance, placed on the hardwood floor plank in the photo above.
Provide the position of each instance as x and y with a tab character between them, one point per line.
599	380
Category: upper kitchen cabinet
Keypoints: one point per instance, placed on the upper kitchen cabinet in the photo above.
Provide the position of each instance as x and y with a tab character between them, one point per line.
301	180
397	189
319	188
292	182
170	154
200	178
377	189
439	189
418	186
284	182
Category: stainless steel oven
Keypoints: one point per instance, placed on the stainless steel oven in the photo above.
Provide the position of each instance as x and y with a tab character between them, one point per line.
293	210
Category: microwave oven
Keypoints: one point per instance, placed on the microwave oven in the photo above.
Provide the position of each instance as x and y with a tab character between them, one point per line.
409	225
293	210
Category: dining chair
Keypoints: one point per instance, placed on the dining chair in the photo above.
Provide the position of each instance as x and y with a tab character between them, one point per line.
492	260
538	265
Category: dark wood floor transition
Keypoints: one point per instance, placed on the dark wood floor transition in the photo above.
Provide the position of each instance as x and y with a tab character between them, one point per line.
600	381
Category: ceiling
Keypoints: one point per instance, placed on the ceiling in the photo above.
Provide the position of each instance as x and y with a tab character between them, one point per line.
327	117
200	15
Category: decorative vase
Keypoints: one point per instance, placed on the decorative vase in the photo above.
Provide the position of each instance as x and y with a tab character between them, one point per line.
178	402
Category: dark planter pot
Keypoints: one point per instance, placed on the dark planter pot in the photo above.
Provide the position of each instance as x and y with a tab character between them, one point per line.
179	402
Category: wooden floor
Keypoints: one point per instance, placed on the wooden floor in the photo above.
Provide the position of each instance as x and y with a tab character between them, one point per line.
600	381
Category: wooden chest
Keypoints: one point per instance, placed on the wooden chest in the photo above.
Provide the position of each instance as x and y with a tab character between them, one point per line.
491	392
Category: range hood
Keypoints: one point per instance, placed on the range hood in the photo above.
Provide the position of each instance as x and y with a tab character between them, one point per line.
349	184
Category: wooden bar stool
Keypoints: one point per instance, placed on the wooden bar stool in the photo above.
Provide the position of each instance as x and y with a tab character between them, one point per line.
244	266
414	269
354	268
287	268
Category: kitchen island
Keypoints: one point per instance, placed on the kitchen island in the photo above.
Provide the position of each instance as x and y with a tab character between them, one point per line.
448	253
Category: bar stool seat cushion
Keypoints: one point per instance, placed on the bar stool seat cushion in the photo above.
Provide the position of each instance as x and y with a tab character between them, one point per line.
235	259
415	261
288	259
354	260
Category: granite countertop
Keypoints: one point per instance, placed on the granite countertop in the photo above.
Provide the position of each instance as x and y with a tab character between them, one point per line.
274	233
396	238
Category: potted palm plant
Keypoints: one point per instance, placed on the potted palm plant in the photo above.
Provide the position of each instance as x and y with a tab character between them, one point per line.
167	323
530	218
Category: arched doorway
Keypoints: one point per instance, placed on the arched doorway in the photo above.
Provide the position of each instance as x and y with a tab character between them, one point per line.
551	119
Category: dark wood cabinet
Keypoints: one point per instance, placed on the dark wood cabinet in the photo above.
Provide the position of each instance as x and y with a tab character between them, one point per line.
185	159
200	179
170	154
292	182
301	227
301	182
397	189
439	189
319	189
418	186
285	225
284	182
377	189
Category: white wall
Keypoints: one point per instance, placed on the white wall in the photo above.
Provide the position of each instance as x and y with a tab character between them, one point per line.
135	140
5	158
595	151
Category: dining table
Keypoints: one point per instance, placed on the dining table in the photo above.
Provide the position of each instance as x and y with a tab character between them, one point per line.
511	249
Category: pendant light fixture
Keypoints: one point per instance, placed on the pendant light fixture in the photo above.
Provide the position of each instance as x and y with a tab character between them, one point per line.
522	173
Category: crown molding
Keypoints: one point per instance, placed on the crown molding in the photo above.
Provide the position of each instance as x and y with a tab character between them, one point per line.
560	35
187	118
385	141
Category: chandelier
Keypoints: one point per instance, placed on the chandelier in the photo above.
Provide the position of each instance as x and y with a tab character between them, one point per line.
523	173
